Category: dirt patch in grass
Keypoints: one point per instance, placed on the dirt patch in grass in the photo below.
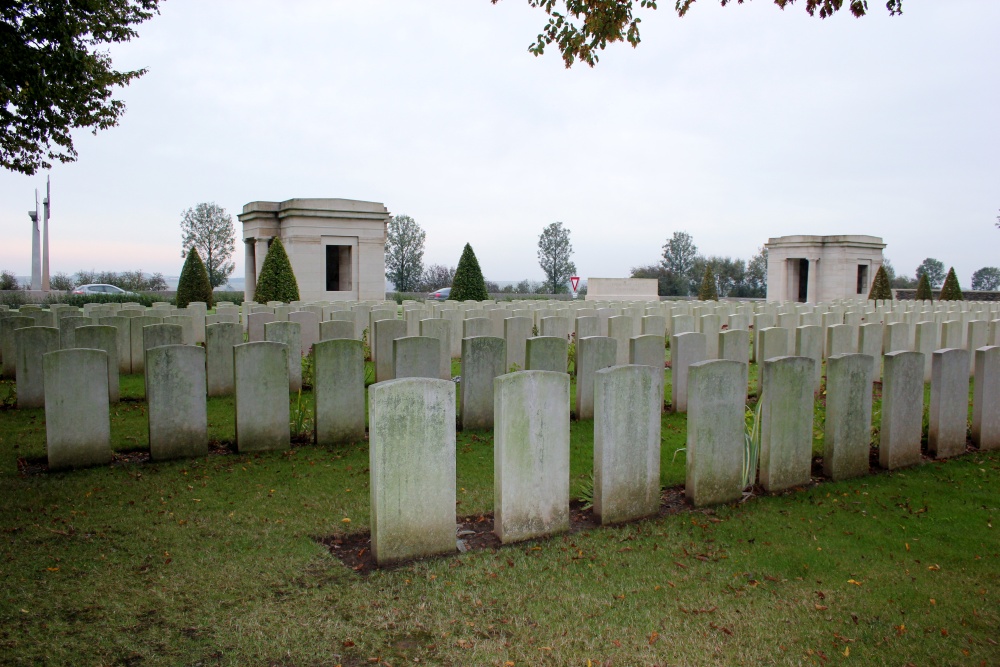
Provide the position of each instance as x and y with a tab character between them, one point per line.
475	533
39	465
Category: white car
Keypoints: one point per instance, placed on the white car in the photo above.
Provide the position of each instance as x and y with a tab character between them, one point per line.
101	289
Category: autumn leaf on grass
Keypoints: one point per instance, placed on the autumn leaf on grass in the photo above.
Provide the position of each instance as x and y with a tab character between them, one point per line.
821	607
852	581
934	567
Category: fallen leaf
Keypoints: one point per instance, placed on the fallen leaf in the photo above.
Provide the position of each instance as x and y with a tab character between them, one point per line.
852	581
847	651
345	520
821	607
934	567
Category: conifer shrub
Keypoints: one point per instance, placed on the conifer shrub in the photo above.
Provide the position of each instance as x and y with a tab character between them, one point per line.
950	291
924	289
707	291
193	284
276	281
881	289
468	282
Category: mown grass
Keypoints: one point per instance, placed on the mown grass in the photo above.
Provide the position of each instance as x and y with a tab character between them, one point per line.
214	561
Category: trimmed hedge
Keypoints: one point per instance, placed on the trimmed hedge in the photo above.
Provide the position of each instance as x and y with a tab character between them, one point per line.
193	284
924	289
950	291
277	280
469	282
708	291
881	289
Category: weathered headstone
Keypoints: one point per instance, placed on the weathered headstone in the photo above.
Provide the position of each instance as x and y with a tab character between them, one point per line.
627	404
847	436
592	354
841	339
176	395
339	391
715	426
123	340
332	329
546	353
440	330
555	326
290	335
949	409
476	326
30	345
483	359
734	345
809	343
986	399
416	357
387	330
685	349
412	463
255	325
220	339
67	330
308	328
138	350
262	410
870	343
902	410
975	337
650	350
620	328
9	350
786	423
97	337
654	325
156	335
77	417
587	326
531	455
517	330
926	342
186	322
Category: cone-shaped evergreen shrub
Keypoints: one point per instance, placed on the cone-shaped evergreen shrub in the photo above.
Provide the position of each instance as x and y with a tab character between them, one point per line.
276	281
707	291
950	291
193	284
468	282
924	289
880	286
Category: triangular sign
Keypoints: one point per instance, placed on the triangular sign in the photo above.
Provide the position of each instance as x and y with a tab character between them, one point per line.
574	281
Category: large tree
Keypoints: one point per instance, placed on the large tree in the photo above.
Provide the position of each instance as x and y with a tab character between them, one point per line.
986	279
933	269
54	77
468	283
554	252
679	254
209	228
404	253
756	280
581	28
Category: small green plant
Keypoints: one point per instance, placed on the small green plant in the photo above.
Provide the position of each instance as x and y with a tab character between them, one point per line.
587	492
571	356
751	444
309	370
515	367
8	398
301	420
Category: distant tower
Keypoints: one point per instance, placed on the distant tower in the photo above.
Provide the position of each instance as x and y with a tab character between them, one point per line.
36	260
45	233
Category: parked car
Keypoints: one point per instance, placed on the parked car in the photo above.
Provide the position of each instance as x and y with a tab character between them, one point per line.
440	295
101	289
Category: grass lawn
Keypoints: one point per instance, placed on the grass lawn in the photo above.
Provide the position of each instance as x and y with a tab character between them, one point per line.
214	561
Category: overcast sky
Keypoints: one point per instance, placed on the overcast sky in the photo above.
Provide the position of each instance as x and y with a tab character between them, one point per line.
734	124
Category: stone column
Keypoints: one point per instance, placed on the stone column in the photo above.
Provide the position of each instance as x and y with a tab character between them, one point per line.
260	253
812	286
249	270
